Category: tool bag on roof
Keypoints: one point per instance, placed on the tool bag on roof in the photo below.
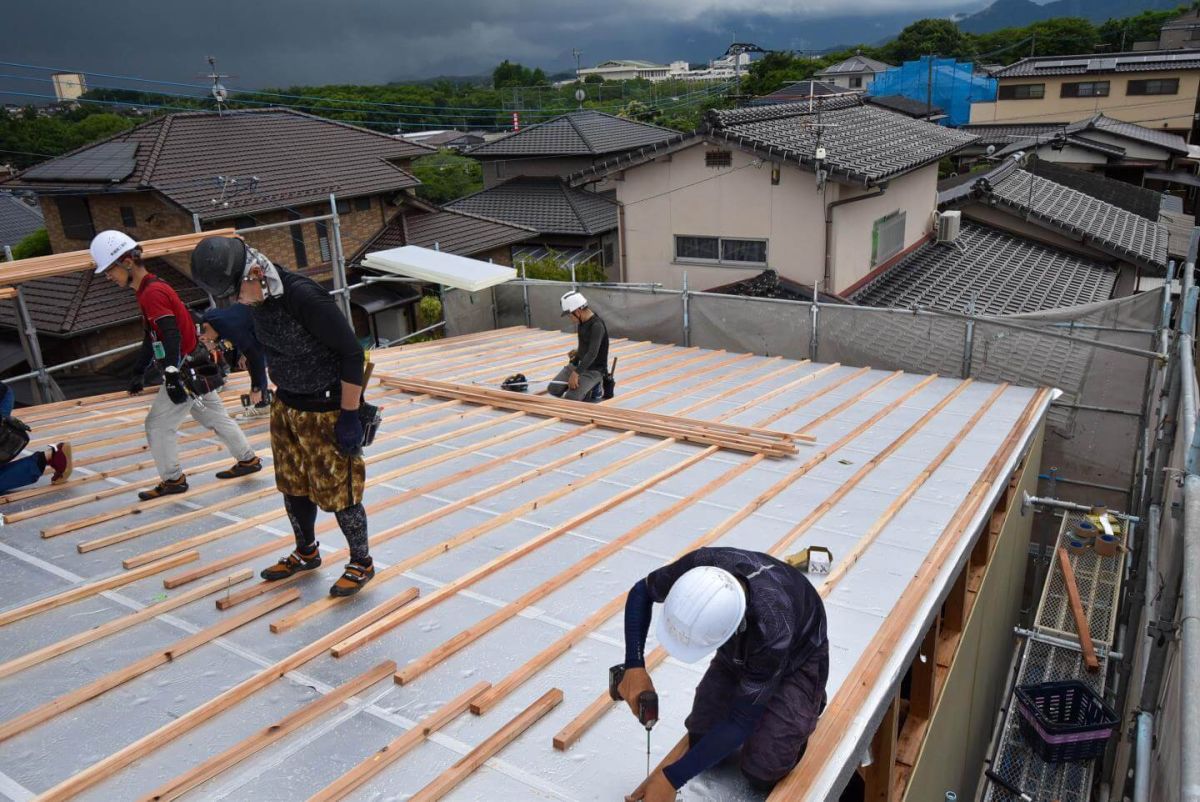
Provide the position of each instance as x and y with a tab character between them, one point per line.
14	436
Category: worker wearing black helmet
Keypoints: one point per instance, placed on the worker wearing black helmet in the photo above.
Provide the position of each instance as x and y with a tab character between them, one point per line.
316	364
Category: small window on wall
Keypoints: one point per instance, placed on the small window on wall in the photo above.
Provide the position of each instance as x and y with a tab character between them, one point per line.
323	241
297	232
343	207
744	251
128	218
1086	89
1156	86
887	237
1022	92
718	158
856	82
721	251
606	255
362	204
697	249
76	217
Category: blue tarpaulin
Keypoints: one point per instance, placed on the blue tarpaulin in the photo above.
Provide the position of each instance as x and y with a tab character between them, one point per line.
945	83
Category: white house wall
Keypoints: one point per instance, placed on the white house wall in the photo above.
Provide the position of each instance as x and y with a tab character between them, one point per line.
680	196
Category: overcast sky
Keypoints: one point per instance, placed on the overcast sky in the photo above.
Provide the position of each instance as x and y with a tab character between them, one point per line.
280	43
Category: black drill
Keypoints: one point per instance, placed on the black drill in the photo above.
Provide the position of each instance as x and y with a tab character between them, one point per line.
647	706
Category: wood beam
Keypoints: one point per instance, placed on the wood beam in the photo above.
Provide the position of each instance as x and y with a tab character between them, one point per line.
1090	661
879	777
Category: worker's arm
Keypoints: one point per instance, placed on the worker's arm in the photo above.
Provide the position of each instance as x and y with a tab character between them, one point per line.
169	336
718	743
319	314
256	363
592	346
638	610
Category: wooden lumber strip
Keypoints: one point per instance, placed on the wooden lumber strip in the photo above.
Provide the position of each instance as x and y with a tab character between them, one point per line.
846	705
1090	661
398	747
113	679
78	592
120	624
60	264
260	740
740	438
147	744
465	766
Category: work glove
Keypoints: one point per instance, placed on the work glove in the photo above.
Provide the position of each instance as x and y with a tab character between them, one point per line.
348	432
173	383
136	385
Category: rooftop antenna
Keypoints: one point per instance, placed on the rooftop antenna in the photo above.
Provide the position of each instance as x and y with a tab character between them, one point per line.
219	92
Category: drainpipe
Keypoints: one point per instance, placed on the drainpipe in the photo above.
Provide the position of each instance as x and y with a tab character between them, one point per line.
621	242
829	207
1189	623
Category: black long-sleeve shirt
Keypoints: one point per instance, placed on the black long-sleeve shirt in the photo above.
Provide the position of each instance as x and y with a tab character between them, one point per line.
309	344
592	350
236	324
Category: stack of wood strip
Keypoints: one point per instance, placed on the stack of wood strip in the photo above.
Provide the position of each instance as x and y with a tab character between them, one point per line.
737	438
58	264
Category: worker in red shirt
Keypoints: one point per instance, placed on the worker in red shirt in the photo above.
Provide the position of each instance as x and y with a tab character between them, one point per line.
170	337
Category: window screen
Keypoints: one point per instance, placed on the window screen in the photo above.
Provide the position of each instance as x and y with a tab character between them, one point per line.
698	248
718	158
751	251
323	240
1156	86
887	237
76	217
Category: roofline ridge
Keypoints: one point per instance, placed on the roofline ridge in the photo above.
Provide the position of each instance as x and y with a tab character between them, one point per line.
485	218
155	151
587	143
566	193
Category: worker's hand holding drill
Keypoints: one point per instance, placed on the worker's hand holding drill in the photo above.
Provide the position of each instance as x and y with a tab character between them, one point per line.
635	682
656	789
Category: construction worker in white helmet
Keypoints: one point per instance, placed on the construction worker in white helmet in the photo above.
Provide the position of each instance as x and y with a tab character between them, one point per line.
586	365
765	687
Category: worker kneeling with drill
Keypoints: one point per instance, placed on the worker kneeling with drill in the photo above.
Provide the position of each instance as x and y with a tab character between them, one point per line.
764	689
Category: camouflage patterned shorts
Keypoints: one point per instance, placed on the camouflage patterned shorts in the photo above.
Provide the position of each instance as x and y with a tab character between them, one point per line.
307	461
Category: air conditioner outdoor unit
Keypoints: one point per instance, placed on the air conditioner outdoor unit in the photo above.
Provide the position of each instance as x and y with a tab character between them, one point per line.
948	225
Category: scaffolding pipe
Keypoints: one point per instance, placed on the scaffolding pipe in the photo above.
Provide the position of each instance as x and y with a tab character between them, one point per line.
525	296
1189	624
339	261
1141	772
687	325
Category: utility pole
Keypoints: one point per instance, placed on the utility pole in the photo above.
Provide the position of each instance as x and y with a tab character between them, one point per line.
576	52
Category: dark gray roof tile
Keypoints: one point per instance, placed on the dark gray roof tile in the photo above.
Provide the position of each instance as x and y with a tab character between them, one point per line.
548	206
1003	274
1101	63
580	133
17	220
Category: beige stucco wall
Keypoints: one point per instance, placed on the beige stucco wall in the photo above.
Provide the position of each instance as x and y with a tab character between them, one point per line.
679	195
1153	111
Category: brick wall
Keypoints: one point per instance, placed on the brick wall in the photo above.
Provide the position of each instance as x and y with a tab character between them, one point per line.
153	217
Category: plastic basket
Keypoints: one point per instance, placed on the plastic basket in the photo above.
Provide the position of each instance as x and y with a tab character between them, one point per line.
1064	721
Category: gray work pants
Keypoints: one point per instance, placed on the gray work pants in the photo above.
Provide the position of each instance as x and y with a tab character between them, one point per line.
588	379
162	430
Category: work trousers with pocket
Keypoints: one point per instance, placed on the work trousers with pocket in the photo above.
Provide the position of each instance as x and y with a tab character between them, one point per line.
588	379
21	472
165	417
781	735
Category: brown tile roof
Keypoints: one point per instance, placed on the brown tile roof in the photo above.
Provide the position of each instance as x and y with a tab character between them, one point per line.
64	306
280	157
547	205
580	133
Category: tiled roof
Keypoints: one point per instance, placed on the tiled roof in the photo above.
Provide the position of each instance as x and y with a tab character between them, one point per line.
580	133
1060	208
1001	273
1150	136
854	64
1100	63
769	284
279	157
63	306
546	205
798	91
1143	202
1003	133
17	220
1056	141
451	231
863	143
904	105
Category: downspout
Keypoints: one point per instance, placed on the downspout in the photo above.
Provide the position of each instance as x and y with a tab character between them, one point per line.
829	207
621	241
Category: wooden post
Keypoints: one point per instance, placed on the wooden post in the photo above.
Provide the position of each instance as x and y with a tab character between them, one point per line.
1090	661
924	672
954	616
880	776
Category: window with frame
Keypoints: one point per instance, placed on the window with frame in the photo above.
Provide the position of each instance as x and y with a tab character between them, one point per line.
323	241
718	158
1085	89
1022	92
856	82
298	248
362	204
721	250
76	217
128	218
1153	86
887	237
343	207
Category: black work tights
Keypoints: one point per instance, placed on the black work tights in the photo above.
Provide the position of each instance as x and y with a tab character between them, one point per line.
302	512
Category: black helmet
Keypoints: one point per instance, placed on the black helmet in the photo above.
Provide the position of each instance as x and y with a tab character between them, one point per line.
218	264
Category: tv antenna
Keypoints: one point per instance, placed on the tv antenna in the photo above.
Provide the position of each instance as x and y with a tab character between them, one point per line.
219	92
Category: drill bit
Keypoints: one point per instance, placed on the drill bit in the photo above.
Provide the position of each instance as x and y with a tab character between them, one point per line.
647	753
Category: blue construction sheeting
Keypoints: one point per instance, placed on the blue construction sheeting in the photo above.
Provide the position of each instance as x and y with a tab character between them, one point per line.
945	83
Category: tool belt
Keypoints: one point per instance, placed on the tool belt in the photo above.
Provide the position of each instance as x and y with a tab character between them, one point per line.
14	436
202	373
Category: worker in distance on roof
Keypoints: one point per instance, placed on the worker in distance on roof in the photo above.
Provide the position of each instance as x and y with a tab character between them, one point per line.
587	364
316	364
170	341
765	687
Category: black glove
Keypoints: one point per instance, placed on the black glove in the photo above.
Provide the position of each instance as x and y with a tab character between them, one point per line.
136	385
348	432
173	383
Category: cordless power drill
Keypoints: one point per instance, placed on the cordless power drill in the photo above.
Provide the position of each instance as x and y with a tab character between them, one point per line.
647	705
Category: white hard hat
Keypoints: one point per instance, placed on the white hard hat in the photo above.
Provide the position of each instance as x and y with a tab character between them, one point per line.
109	246
572	302
703	609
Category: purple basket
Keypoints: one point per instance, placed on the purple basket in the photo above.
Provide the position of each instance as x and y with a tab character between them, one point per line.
1065	720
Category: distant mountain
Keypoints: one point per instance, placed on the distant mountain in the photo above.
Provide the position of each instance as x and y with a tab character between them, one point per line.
1018	13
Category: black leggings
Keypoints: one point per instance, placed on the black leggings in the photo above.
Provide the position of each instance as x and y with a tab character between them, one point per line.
302	513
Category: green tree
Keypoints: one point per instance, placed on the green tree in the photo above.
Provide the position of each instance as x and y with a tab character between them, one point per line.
925	36
1063	35
35	244
593	78
1120	34
446	176
777	69
510	73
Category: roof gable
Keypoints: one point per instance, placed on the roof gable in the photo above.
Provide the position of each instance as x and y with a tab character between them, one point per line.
857	63
581	133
